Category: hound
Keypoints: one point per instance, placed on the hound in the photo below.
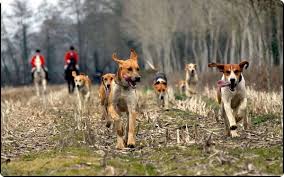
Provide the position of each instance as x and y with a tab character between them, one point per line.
231	94
160	86
191	79
104	91
123	98
83	88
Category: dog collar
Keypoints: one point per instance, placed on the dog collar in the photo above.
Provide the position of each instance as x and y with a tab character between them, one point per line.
123	86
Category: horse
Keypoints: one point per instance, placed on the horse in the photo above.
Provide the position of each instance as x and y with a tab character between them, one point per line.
68	75
39	77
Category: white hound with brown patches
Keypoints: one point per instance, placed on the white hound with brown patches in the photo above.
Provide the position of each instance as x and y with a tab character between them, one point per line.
232	96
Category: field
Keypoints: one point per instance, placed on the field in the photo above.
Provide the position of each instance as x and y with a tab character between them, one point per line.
39	136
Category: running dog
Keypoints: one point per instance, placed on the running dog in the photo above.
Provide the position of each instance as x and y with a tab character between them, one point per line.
160	86
83	88
191	79
104	91
231	94
123	98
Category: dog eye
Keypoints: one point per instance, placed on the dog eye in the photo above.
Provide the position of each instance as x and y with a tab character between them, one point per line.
228	72
129	69
236	71
111	79
105	79
137	69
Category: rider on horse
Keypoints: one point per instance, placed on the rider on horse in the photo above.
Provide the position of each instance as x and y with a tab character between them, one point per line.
38	58
71	54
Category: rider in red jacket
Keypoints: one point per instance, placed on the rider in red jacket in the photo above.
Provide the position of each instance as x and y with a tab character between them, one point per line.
42	62
71	54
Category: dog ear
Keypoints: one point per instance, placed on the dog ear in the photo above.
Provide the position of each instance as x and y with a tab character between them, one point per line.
116	59
74	73
185	68
244	63
219	66
133	54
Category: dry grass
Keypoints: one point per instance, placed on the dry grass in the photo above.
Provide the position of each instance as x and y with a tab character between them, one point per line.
33	126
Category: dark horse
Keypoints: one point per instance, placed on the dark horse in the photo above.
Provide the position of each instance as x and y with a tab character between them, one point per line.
68	75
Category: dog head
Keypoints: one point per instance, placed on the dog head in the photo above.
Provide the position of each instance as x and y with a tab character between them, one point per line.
79	79
128	71
107	79
231	72
191	68
160	87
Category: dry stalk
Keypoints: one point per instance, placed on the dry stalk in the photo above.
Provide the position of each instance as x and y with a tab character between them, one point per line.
178	138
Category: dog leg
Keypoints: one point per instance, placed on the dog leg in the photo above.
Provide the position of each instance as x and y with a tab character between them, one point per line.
79	100
226	121
104	110
118	127
127	129
242	112
131	131
231	118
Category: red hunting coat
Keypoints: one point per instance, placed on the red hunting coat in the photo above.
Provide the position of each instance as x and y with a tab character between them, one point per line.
71	54
42	60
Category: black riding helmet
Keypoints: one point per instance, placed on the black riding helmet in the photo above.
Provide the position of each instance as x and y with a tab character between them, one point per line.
37	51
72	47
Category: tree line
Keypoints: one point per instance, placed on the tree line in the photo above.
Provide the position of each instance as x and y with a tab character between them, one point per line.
166	33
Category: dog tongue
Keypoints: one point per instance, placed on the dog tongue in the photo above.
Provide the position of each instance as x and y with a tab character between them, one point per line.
130	82
222	83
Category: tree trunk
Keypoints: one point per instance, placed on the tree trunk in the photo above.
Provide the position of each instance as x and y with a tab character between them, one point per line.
233	47
25	54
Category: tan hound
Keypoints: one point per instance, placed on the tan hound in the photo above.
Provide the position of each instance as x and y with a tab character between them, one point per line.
191	79
104	91
123	98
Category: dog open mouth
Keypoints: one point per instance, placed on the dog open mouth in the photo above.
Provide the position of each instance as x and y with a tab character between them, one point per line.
232	86
130	82
222	83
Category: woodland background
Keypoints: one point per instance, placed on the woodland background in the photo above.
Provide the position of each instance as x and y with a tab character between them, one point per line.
167	33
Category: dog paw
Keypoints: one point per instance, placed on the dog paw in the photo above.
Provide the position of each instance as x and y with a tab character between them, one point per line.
234	134
131	142
120	145
108	124
131	145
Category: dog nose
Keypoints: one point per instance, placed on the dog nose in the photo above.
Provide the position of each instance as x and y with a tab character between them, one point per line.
108	85
162	97
232	80
137	79
192	71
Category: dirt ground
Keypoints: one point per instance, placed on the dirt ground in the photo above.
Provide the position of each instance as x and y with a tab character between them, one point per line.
39	137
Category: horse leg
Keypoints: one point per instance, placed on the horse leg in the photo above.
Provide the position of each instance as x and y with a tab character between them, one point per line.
44	85
73	85
69	86
37	87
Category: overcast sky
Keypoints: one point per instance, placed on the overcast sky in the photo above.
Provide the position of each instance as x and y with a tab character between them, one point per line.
33	4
